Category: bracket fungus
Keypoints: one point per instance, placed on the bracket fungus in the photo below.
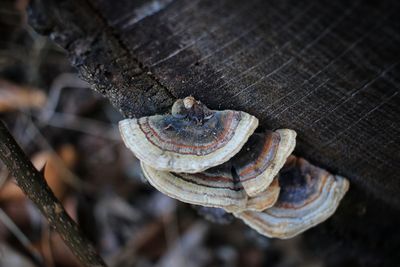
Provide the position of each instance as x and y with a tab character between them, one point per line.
214	159
215	187
265	199
262	157
309	195
191	139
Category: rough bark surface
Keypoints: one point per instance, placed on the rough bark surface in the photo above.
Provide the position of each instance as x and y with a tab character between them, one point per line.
328	69
35	187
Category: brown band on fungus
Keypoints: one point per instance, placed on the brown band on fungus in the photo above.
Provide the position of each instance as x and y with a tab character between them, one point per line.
262	157
265	199
210	180
191	139
257	155
302	185
309	195
186	139
214	188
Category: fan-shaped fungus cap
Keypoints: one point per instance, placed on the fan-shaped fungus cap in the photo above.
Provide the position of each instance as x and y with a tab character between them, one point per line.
191	139
215	187
265	199
309	195
262	157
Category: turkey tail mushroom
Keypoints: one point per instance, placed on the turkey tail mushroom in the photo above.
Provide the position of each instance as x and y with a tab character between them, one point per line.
265	199
309	195
212	158
191	139
262	157
215	187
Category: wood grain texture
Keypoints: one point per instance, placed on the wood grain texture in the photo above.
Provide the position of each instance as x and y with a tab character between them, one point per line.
327	69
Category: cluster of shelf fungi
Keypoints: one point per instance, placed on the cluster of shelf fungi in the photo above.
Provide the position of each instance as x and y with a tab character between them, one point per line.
215	159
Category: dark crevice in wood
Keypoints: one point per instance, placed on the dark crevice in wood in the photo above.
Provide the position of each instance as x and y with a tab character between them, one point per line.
96	50
109	29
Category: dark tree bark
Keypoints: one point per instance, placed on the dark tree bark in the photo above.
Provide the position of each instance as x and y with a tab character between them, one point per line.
328	69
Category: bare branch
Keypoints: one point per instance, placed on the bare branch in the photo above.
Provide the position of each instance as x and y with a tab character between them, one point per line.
35	187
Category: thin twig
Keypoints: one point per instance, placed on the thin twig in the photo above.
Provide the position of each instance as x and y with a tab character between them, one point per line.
35	187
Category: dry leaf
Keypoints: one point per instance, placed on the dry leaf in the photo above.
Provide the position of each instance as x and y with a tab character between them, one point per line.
11	191
14	97
54	172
